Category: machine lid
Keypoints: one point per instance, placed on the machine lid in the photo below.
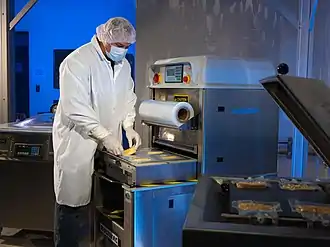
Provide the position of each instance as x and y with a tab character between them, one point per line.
307	103
39	121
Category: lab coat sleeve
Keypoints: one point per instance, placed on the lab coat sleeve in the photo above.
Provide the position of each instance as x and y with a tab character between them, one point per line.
130	107
75	98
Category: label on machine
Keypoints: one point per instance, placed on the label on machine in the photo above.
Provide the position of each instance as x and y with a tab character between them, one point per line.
181	97
110	235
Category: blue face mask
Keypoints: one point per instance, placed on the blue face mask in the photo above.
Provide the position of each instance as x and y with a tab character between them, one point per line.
117	54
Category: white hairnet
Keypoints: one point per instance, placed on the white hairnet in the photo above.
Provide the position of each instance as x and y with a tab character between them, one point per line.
116	30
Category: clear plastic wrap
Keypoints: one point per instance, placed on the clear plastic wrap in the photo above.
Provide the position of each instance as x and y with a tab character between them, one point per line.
257	209
294	185
251	184
312	211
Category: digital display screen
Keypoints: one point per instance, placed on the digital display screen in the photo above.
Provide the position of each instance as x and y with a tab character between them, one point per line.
27	150
174	74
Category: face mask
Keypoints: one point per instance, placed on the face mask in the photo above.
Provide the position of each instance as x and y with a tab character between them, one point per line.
117	54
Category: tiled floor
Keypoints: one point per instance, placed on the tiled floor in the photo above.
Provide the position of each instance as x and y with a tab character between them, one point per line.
17	238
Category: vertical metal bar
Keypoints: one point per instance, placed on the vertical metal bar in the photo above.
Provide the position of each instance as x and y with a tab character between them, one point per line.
129	217
11	80
304	56
4	57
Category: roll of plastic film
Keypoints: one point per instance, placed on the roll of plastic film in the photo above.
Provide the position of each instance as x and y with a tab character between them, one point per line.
166	112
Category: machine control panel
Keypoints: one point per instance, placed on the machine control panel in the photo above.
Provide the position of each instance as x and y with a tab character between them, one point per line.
179	74
27	150
174	74
26	147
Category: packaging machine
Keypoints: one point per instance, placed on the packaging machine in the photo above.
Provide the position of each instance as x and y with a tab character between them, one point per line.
26	174
276	211
222	123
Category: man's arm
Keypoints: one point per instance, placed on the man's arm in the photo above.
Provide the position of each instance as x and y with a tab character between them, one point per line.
76	100
130	107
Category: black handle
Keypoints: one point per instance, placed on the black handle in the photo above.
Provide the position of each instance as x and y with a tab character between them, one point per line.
283	69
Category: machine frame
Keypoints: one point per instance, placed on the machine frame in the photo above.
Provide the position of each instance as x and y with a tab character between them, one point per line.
214	82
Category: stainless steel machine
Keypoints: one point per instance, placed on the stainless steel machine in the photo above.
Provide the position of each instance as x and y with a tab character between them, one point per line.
232	129
26	174
235	119
139	200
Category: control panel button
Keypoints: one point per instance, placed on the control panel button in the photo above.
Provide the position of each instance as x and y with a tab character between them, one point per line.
156	78
186	79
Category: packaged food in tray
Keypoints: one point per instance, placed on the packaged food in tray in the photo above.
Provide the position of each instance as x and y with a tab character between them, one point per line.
312	211
168	156
155	152
294	185
138	158
251	184
257	208
130	151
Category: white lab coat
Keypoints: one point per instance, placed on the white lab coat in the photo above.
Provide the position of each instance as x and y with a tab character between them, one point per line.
93	98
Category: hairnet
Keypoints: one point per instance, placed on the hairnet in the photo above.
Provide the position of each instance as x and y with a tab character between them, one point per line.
116	30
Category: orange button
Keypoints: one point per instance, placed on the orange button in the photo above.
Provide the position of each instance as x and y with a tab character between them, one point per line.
156	78
186	79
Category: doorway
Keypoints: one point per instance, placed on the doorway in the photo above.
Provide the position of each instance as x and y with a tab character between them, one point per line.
22	74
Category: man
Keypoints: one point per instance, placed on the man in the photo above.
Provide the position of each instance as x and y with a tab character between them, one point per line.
96	101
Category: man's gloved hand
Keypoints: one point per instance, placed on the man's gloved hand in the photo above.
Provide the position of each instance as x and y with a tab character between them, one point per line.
112	145
131	136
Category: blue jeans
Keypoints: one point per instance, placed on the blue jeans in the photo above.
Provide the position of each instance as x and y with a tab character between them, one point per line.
71	226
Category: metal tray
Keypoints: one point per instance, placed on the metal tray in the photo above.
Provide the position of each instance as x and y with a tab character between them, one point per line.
150	166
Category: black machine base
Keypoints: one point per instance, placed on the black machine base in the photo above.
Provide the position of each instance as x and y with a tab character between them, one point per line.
212	221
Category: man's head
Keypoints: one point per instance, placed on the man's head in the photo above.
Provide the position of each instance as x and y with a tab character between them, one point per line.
116	35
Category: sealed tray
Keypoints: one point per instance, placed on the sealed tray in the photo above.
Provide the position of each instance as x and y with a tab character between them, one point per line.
151	155
257	208
148	166
312	211
298	186
251	184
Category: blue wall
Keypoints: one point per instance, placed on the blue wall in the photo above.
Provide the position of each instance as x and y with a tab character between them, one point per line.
62	24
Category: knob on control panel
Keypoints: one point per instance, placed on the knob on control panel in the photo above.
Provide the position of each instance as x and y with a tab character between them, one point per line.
282	69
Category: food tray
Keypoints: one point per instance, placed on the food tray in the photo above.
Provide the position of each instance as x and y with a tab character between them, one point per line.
257	208
149	155
298	186
251	184
312	211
